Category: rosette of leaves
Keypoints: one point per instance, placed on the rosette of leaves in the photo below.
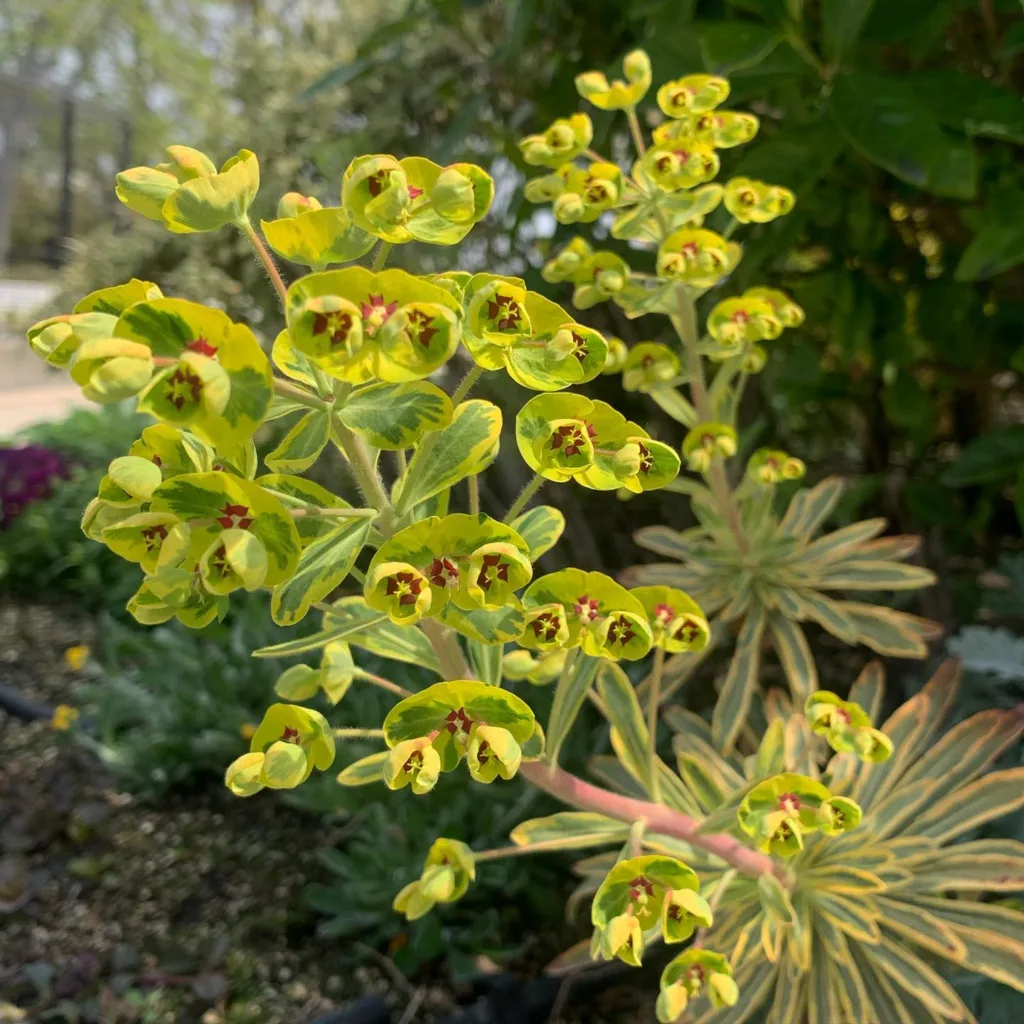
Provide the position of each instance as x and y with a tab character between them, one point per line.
865	924
876	917
786	578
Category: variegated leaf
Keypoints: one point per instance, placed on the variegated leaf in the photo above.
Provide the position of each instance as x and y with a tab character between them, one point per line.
990	797
738	688
911	973
868	689
905	922
795	656
570	830
620	704
809	508
302	445
890	632
570	692
364	771
857	918
323	565
837	545
875	576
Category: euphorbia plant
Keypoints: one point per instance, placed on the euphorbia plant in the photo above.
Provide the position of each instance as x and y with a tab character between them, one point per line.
448	589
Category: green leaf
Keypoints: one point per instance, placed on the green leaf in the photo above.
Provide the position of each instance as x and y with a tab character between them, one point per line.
626	718
313	642
365	770
372	631
393	416
322	567
841	24
728	46
486	660
302	445
989	797
911	973
795	656
570	830
738	688
466	446
990	458
426	711
775	899
570	692
541	528
486	627
970	104
884	121
999	242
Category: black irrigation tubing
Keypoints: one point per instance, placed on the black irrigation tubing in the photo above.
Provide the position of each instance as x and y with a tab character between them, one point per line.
20	706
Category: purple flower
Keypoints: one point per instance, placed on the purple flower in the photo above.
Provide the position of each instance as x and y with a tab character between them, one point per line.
26	475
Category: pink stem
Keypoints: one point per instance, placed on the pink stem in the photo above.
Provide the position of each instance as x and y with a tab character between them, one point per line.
658	817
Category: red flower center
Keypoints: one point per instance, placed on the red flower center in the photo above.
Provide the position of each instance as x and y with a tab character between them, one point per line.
153	535
586	608
183	386
235	517
406	585
442	573
337	325
546	626
375	311
458	721
202	346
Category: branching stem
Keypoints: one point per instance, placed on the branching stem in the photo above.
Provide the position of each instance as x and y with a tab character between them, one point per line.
659	818
685	323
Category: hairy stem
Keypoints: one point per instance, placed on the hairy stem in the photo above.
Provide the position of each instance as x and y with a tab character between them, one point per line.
474	494
467	383
359	734
384	684
685	323
361	465
653	700
267	260
659	818
524	497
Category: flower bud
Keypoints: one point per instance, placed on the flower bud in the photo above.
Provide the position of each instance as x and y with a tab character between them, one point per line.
292	204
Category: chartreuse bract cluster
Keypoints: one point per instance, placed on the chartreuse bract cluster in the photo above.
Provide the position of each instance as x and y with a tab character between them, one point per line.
793	846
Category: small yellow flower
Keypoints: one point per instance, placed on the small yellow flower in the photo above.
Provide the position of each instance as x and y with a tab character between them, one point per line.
247	731
63	717
76	657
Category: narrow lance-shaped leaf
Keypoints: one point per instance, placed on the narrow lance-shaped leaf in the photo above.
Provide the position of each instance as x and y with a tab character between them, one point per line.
738	689
570	692
570	830
626	717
